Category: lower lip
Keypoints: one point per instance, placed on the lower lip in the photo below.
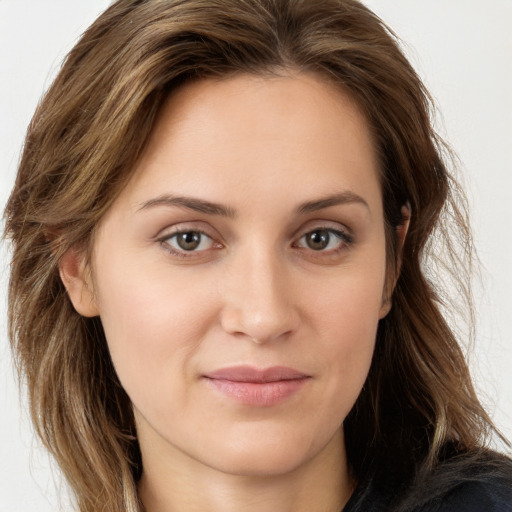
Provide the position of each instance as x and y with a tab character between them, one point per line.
262	394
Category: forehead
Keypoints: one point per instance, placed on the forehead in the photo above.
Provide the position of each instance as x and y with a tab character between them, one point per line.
261	135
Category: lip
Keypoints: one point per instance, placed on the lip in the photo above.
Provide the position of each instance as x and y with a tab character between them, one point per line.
257	387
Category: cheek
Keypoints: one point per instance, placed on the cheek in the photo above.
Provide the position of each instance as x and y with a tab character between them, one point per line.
351	341
347	321
350	303
152	328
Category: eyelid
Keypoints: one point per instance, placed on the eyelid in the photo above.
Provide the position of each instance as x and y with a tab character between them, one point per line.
185	227
332	226
172	231
344	235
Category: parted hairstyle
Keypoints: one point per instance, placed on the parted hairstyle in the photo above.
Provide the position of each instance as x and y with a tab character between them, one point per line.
417	407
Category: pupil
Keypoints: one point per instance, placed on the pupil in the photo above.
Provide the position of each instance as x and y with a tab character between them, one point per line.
318	240
189	241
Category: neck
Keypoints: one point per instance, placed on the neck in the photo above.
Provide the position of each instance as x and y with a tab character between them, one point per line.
322	484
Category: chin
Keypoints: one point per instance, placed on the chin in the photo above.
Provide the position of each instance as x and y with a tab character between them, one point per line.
265	463
271	456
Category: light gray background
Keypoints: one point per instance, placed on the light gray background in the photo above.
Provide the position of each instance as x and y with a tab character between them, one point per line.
463	50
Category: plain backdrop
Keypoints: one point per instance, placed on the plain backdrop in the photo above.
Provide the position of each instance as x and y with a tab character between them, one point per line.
463	51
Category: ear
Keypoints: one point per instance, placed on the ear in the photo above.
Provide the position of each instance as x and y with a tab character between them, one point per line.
73	273
401	233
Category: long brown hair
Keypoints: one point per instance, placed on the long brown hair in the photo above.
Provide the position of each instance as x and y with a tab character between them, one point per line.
80	150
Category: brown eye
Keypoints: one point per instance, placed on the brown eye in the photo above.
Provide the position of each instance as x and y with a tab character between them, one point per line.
324	240
318	240
189	241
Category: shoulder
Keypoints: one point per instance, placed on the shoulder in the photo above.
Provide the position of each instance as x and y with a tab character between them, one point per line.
475	496
479	482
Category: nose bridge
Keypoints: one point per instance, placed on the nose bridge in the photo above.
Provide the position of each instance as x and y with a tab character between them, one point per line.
258	303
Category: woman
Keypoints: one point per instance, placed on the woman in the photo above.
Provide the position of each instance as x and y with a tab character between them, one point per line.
217	296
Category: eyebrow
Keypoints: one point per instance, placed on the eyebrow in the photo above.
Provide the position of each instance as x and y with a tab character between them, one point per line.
190	203
345	197
210	208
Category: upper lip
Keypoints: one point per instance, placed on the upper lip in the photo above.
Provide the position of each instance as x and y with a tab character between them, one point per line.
256	375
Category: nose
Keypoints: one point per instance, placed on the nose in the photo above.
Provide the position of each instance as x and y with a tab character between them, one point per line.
258	298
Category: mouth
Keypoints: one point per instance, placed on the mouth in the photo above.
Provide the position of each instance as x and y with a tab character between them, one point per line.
257	387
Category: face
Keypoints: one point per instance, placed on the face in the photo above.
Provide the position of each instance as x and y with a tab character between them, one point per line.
239	276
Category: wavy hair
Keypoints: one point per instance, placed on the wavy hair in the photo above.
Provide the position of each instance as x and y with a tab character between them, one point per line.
80	150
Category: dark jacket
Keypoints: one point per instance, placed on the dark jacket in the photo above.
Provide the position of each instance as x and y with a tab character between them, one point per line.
481	484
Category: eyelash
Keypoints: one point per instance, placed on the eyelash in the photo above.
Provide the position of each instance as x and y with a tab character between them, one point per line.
164	241
345	239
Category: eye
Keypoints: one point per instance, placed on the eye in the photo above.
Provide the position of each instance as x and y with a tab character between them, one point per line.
324	239
188	241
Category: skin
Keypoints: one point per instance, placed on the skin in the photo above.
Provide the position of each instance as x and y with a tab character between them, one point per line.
256	291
